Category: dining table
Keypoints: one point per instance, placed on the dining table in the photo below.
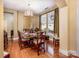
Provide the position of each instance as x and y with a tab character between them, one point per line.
33	36
30	37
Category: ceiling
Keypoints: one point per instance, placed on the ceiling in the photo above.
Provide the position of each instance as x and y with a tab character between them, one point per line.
37	6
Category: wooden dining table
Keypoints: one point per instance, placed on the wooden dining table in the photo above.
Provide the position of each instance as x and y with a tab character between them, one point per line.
30	37
33	36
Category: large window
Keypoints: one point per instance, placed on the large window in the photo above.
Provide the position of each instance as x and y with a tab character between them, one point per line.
47	23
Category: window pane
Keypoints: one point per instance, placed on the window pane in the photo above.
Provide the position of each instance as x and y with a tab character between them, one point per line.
43	22
51	21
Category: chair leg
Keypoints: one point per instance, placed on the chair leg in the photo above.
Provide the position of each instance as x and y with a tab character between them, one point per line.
44	48
38	52
20	46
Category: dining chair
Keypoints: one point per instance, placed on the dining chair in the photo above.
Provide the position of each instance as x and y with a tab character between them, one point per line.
6	54
40	45
12	33
5	40
22	41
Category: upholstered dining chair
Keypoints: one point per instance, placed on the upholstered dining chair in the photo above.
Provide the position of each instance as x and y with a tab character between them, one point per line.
5	40
22	41
40	44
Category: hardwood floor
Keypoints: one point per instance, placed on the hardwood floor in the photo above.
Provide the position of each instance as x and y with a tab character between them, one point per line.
73	56
15	52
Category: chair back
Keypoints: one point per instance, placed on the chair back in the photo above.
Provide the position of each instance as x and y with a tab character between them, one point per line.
12	33
5	40
41	37
19	35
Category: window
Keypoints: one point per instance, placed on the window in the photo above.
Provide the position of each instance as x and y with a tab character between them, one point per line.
47	23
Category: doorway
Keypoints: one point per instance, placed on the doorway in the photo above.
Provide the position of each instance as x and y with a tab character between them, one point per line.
8	23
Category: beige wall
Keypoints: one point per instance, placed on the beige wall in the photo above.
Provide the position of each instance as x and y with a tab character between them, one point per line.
27	20
15	25
72	24
61	3
63	29
36	21
20	20
30	22
1	28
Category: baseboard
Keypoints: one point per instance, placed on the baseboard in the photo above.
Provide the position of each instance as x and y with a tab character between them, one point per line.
9	36
73	53
16	38
64	52
67	52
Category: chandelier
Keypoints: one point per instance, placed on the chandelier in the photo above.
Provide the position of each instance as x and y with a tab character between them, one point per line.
28	12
